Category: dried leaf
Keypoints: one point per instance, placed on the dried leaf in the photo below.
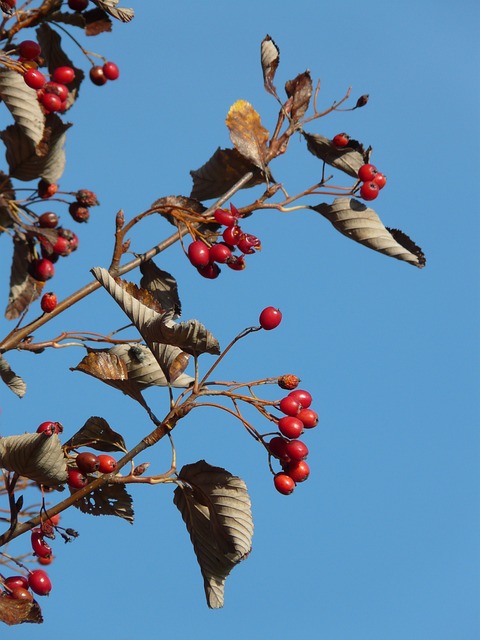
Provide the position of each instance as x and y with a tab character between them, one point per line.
50	42
247	133
97	434
270	58
221	172
14	382
24	163
300	91
172	208
75	19
360	223
107	500
22	102
35	456
14	611
347	159
24	289
97	22
163	287
190	336
7	194
110	6
215	507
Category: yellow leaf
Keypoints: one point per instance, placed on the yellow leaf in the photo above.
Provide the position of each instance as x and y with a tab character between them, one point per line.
247	133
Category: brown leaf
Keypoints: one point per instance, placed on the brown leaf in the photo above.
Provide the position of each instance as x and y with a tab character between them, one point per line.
97	434
215	507
110	6
14	611
300	91
96	22
22	102
75	19
247	133
360	223
163	287
14	382
24	289
347	159
270	59
35	456
221	172
107	500
173	207
7	194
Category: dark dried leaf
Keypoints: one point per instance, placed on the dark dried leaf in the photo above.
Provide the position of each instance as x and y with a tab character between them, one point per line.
13	382
110	6
348	160
74	19
360	223
247	133
143	367
270	58
22	102
163	287
107	500
35	456
221	172
300	91
14	611
97	434
216	509
7	194
172	208
24	289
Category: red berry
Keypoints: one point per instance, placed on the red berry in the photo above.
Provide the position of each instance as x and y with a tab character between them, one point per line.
49	428
34	78
74	242
284	484
248	243
29	49
369	190
62	246
39	582
270	318
224	217
341	140
107	464
63	75
53	520
78	212
288	381
232	235
367	172
302	396
14	582
42	269
87	462
199	253
210	271
380	180
277	448
51	102
290	426
46	189
97	76
48	220
57	88
48	302
39	546
76	479
87	198
45	561
111	71
78	5
220	253
308	417
19	593
296	450
237	263
290	406
298	471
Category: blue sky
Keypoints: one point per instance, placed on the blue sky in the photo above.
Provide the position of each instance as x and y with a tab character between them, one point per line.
383	540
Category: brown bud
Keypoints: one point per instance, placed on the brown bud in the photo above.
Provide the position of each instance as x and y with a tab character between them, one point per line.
289	381
362	101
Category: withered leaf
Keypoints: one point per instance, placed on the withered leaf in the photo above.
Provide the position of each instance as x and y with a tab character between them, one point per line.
172	208
270	59
22	102
14	611
97	434
35	456
24	289
300	90
360	223
110	6
13	382
96	22
216	509
190	336
142	295
247	133
163	287
347	159
7	194
107	500
75	19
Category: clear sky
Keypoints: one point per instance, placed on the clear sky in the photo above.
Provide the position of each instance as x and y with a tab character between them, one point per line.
382	542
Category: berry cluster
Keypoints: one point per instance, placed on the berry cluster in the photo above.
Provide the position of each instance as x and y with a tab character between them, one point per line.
17	587
206	258
86	463
100	75
372	181
286	447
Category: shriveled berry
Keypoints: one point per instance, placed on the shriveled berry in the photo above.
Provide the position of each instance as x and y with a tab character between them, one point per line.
270	318
248	243
42	269
296	450
302	396
48	302
46	189
237	263
369	190
48	220
63	75
107	463
29	49
290	426
290	406
367	172
34	79
284	484
39	582
198	253
87	462
308	417
76	479
49	428
220	253
78	212
288	381
111	71
87	198
298	470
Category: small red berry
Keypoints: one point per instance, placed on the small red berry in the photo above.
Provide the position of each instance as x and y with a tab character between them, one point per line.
111	71
199	253
48	302
290	406
248	243
39	582
42	269
51	102
290	426
341	140
380	180
13	582
284	484
220	253
41	548
34	79
78	5
19	593
302	396
76	479
29	49
56	88
288	381
369	190
224	217
46	189
367	172
97	76
298	471
270	318
277	448
45	561
308	417
210	271
62	246
296	450
49	428
107	464
63	75
87	462
232	235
